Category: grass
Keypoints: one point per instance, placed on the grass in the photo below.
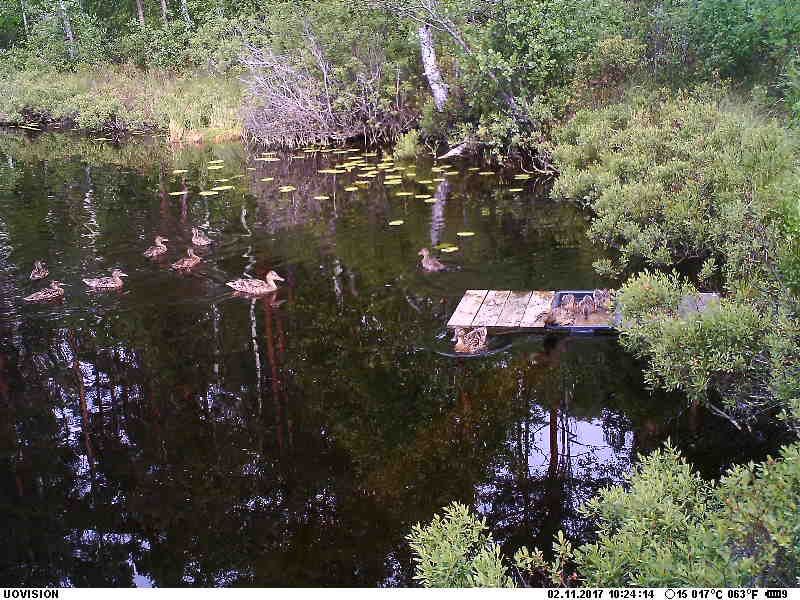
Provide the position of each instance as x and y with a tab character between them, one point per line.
192	108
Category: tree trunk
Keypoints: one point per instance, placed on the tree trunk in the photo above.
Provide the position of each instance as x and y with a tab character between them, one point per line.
67	30
432	72
164	12
24	17
185	13
140	12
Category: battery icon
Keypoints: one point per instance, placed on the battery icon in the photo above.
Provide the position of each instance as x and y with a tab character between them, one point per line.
775	593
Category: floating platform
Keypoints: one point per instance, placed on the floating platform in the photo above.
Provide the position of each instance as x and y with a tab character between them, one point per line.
510	311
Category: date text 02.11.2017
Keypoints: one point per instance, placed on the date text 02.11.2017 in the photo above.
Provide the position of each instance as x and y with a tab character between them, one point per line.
601	594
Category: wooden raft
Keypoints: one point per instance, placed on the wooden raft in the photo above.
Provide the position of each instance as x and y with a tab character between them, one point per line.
505	309
502	309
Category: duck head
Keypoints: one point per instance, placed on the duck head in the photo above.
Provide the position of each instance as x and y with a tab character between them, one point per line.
117	273
424	252
160	240
273	276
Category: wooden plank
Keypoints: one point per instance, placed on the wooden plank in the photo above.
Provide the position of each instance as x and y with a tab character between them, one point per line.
467	308
491	308
538	307
514	309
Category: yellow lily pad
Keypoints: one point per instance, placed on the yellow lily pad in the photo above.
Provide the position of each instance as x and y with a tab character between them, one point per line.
267	158
451	172
216	162
286	188
322	197
179	171
523	176
425	181
208	193
422	196
265	179
516	190
223	180
351	188
221	188
396	223
430	200
438	179
392	182
404	194
215	167
465	233
178	193
485	172
449	249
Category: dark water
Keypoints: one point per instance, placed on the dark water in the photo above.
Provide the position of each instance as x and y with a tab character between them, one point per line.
172	434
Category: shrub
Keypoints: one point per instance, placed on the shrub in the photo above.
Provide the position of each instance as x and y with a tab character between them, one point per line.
680	178
667	527
407	146
456	551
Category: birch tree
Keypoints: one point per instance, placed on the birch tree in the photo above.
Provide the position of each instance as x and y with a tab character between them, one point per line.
73	53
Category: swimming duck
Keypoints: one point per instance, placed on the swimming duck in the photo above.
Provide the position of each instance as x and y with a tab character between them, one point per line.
469	340
429	263
199	238
188	262
158	249
54	292
107	283
256	287
39	270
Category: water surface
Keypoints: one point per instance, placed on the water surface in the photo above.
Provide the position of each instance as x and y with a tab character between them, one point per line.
174	434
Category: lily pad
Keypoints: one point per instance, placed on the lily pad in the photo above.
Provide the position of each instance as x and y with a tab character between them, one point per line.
221	188
216	162
265	179
516	190
449	249
179	171
215	167
286	188
485	172
178	193
403	194
422	196
322	197
396	223
465	233
430	201
351	188
209	193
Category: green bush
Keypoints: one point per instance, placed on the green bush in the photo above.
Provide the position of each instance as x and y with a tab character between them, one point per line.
456	551
407	146
667	528
680	178
718	353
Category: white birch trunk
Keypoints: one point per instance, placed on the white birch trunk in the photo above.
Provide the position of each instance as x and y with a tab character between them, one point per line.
432	72
67	30
185	14
164	12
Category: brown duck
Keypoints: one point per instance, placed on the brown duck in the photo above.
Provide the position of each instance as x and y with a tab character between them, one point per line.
429	263
187	262
48	294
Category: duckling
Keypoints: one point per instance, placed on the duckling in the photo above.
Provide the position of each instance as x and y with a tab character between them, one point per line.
429	263
39	270
199	238
188	262
603	298
107	283
587	306
158	249
469	340
256	287
567	304
54	292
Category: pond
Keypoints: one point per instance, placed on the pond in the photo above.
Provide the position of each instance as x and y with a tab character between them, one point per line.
172	433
